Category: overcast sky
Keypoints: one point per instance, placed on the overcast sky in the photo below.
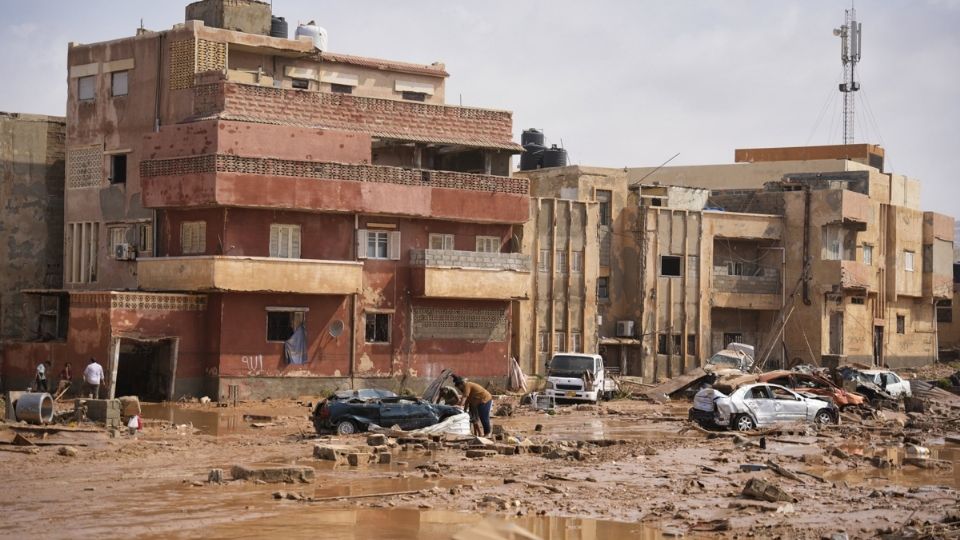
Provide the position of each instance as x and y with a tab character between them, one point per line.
626	83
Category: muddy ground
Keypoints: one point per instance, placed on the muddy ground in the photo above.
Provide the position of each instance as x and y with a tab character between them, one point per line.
625	469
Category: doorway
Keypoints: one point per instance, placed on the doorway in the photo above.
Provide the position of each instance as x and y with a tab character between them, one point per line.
878	345
146	369
836	332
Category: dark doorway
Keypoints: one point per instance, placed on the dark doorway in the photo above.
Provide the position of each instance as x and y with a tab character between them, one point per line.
145	369
878	345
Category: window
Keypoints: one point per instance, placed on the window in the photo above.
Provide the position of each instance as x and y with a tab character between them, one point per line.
544	341
87	88
901	324
281	322
300	84
543	263
561	261
193	237
377	328
341	88
577	341
559	343
376	244
692	344
734	269
118	169
945	311
144	239
118	83
488	244
838	243
669	265
576	262
285	241
603	197
662	344
868	254
603	288
731	337
414	96
858	300
83	248
676	343
118	236
441	241
908	261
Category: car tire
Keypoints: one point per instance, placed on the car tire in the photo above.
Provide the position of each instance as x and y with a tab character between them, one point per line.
743	422
823	417
347	427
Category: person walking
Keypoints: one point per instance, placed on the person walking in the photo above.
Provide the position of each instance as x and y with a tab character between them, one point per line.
476	396
41	378
92	379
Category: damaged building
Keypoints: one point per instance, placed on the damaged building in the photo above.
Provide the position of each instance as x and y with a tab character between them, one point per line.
252	215
812	254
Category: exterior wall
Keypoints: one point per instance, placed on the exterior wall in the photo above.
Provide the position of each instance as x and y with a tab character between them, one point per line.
31	214
248	16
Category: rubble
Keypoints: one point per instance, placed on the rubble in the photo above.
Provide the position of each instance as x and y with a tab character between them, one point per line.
273	474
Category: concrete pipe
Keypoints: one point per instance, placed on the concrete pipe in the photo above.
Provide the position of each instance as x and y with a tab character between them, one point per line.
35	408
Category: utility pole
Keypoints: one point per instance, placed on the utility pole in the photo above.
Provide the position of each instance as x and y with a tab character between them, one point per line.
850	39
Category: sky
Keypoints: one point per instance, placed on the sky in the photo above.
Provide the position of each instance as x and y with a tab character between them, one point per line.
618	83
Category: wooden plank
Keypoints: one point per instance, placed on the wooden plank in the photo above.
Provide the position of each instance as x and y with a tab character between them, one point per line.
677	383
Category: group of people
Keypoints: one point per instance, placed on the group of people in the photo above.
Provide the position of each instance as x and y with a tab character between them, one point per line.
93	378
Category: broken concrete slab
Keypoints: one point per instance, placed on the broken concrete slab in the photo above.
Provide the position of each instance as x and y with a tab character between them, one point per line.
358	459
273	474
376	439
766	491
335	452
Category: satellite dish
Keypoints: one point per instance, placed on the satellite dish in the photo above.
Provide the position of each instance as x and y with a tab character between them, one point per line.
336	328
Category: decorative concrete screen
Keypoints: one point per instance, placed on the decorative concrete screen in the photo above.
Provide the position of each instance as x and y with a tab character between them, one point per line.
189	57
459	323
84	166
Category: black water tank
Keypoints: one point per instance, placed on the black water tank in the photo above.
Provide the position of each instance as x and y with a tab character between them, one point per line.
531	136
554	157
532	156
279	28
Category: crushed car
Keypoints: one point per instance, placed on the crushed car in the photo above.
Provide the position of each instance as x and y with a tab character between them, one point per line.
877	384
759	405
735	356
813	384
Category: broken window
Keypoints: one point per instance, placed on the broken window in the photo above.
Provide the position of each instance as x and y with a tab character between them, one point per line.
414	96
281	322
118	83
193	237
839	243
603	288
377	328
543	263
670	266
901	324
285	241
488	244
87	88
662	344
441	241
341	88
118	169
692	344
603	197
945	311
676	343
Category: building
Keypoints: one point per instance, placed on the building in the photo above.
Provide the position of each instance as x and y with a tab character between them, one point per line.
31	226
692	258
226	189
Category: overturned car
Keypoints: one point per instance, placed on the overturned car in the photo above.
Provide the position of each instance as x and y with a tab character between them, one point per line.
754	406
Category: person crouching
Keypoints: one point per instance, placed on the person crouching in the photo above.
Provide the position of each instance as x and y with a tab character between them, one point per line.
476	396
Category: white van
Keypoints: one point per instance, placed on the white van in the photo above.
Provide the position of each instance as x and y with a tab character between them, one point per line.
578	376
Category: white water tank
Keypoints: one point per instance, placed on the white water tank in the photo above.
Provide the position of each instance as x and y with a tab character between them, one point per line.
316	33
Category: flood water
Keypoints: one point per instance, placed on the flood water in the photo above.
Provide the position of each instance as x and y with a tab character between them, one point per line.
217	421
590	429
900	474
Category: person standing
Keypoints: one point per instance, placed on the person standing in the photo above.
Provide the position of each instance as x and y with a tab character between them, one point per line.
92	379
41	378
476	396
65	378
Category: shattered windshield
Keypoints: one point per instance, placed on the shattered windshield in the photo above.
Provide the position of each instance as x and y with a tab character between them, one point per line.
721	359
571	363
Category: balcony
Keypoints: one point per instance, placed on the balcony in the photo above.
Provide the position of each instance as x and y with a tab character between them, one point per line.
746	292
249	274
382	118
260	182
850	275
469	274
740	226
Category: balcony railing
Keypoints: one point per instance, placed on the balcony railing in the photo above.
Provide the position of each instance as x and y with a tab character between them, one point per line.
767	283
448	258
470	275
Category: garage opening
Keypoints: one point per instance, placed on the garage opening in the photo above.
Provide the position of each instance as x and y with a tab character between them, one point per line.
146	369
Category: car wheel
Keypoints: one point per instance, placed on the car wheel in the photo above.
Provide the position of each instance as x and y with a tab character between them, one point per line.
823	417
346	427
744	423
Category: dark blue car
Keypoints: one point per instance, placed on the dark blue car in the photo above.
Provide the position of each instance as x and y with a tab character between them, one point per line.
353	411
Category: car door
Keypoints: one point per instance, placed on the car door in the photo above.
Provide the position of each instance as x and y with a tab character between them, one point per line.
406	413
759	402
789	406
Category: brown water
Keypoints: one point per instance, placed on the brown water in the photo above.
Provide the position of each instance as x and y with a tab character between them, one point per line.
900	474
590	429
216	421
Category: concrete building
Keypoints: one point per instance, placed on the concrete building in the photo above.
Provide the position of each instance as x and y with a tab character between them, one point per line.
31	227
225	188
701	256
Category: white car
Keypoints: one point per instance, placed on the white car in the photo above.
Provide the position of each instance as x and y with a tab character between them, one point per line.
887	380
761	405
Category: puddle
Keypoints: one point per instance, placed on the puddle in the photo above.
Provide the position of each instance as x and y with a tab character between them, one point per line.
413	524
580	429
903	475
217	421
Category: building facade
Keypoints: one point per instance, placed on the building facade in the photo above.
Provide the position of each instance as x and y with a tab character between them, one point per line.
248	215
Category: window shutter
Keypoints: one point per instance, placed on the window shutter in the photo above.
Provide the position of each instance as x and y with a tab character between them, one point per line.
274	240
394	249
448	242
295	242
361	243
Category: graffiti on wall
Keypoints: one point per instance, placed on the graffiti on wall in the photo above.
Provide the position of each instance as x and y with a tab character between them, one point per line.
253	364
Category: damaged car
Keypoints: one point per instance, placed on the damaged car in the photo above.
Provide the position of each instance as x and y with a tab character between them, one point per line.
760	405
356	414
813	384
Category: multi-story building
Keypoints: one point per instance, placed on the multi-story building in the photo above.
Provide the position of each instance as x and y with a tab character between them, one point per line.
692	258
249	215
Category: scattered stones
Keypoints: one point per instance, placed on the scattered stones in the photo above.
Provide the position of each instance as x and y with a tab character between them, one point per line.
766	491
384	458
358	459
505	409
215	476
479	453
67	451
376	439
279	495
274	474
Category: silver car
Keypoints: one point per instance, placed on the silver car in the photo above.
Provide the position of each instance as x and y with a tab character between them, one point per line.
761	405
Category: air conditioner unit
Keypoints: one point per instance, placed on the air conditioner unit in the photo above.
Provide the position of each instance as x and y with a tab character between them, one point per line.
624	328
125	252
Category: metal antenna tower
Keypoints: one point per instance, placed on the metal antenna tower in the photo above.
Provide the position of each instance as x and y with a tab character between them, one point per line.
850	36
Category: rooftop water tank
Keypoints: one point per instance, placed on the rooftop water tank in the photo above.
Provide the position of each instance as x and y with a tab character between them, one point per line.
554	157
279	28
315	33
532	156
531	136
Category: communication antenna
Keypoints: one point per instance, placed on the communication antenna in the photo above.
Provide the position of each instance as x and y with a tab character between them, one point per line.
850	38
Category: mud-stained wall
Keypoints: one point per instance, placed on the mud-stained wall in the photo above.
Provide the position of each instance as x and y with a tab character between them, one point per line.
31	214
